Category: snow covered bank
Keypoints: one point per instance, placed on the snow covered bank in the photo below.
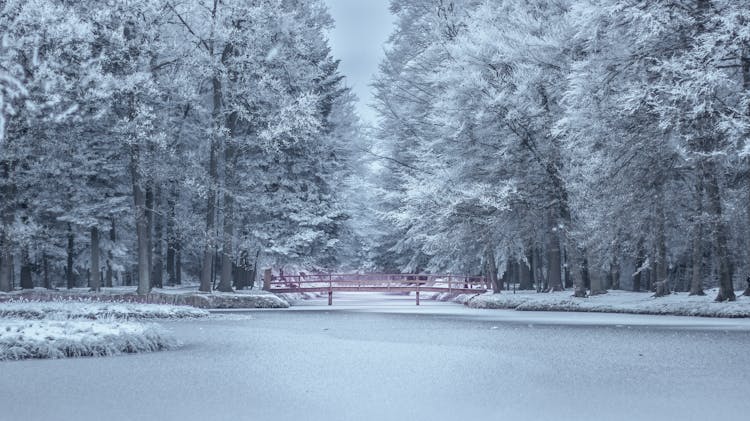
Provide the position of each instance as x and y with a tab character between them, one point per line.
180	296
76	309
679	304
23	339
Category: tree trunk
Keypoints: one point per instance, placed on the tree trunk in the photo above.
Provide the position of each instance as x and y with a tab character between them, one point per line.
227	260
726	289
614	271
6	269
69	275
110	256
213	175
524	275
577	259
26	281
554	273
142	225
45	269
158	262
661	286
178	263
95	275
171	246
489	256
696	282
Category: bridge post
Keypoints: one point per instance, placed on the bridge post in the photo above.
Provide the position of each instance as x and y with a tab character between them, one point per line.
417	291
267	276
450	287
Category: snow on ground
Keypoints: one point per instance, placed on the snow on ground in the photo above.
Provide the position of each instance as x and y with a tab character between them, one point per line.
71	309
678	304
24	339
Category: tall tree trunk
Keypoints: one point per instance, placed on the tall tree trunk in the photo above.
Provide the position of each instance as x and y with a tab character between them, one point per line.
150	229
6	269
227	259
158	262
726	289
45	269
110	256
178	263
69	275
554	273
614	270
746	87
26	280
661	286
171	237
213	175
489	256
524	275
141	223
696	282
95	273
577	259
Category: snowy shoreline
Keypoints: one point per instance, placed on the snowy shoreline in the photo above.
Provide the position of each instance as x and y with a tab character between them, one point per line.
676	304
187	296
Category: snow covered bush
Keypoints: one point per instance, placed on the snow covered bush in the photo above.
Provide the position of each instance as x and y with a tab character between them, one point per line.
59	339
62	310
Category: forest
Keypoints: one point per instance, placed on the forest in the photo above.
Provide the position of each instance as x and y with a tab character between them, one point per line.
546	144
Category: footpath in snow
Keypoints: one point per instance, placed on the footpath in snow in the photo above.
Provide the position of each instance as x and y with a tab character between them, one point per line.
59	329
677	304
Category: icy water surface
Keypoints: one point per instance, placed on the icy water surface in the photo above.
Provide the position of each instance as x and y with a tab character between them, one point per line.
382	358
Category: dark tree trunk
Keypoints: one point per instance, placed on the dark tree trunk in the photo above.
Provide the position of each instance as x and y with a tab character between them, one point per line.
726	289
26	280
696	282
95	281
178	263
525	273
158	262
554	273
45	270
213	175
492	269
69	275
110	256
142	225
614	272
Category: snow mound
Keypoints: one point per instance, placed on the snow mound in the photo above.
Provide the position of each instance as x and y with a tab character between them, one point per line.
21	340
614	302
71	309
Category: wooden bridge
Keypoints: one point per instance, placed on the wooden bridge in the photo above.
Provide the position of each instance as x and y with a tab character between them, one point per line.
374	282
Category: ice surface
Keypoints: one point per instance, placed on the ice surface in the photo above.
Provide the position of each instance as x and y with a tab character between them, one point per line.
383	358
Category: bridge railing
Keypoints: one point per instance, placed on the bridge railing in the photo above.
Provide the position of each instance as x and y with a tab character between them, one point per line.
380	282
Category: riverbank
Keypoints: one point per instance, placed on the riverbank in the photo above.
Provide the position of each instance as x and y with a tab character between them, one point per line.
675	304
180	296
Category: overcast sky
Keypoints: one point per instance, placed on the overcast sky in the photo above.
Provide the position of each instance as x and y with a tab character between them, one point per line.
362	27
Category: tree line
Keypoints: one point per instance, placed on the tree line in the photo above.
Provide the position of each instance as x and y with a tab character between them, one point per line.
589	144
145	139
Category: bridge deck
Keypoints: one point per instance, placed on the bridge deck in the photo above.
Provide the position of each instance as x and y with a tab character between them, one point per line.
330	283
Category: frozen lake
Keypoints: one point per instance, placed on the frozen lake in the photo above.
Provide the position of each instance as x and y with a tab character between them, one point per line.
383	358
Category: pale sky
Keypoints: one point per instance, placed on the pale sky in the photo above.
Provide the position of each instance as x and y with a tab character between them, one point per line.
362	27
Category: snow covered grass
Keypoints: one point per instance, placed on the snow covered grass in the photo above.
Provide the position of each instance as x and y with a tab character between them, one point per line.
27	339
178	296
678	304
75	309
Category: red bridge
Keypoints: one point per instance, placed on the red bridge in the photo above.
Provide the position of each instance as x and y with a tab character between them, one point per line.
374	282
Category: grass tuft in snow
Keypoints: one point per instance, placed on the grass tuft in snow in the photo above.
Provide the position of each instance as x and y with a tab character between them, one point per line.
75	309
23	339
